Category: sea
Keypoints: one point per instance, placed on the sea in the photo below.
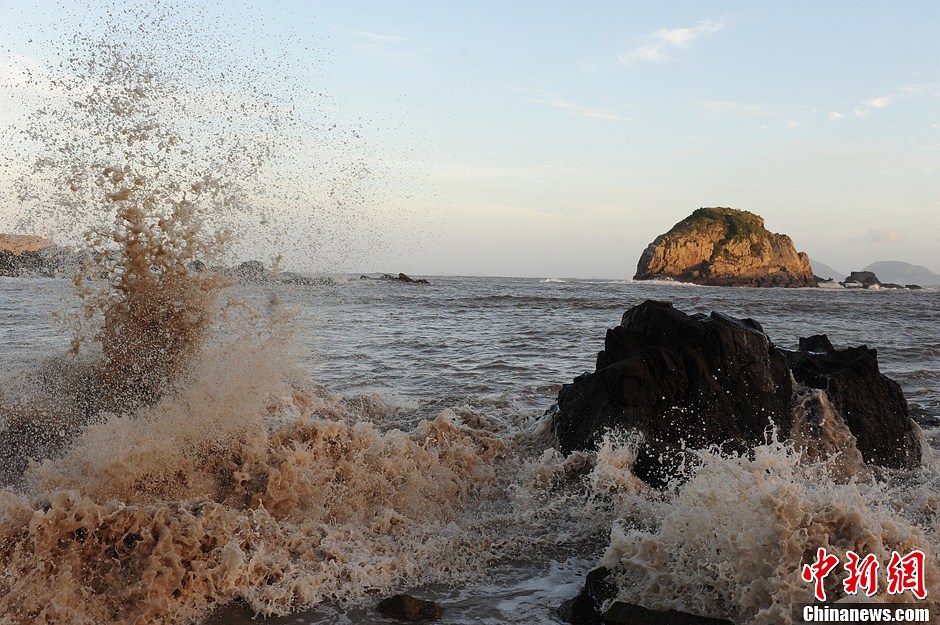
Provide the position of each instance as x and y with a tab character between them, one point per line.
333	444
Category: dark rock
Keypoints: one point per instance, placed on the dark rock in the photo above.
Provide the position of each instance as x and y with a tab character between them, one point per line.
403	278
296	279
690	381
816	343
682	381
629	614
865	279
871	403
407	608
251	271
585	608
399	278
913	287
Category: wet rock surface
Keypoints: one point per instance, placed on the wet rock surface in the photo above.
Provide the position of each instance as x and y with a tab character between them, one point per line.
681	380
871	403
588	607
690	381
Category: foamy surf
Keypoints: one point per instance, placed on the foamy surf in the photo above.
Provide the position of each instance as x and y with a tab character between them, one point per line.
730	543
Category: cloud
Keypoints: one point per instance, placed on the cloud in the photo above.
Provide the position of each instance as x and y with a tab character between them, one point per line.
886	236
581	110
835	116
880	103
905	92
657	45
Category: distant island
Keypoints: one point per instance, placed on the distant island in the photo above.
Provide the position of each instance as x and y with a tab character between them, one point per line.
894	271
725	247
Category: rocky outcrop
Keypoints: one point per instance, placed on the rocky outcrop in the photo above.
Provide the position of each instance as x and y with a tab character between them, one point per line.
254	272
690	381
725	247
861	279
399	278
868	280
668	375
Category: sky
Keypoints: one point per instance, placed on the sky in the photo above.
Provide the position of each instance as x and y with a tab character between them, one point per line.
549	139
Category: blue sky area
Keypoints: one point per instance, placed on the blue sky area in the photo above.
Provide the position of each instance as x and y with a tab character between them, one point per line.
553	139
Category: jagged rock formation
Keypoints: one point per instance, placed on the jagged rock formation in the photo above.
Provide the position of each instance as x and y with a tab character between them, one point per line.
868	280
862	279
399	278
725	247
690	381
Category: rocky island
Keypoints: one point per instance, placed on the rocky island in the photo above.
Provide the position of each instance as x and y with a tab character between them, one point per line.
725	247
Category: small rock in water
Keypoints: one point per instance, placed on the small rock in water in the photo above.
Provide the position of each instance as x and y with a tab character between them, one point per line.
407	608
585	608
399	278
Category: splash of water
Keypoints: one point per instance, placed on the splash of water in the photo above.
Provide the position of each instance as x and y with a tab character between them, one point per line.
730	542
138	159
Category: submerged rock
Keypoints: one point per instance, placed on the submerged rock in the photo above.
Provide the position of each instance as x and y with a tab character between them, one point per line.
725	247
587	608
408	608
690	381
